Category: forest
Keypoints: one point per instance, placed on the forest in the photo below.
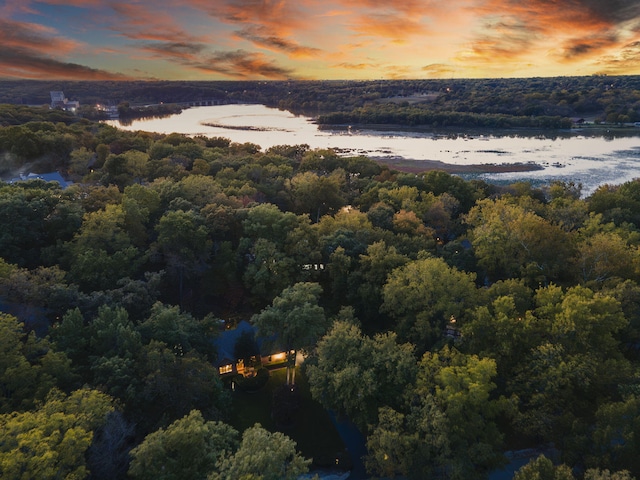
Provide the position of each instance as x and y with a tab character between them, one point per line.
450	320
546	103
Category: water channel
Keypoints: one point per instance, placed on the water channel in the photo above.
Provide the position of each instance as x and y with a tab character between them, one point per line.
588	156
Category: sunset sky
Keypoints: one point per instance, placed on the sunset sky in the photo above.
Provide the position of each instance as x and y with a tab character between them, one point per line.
316	39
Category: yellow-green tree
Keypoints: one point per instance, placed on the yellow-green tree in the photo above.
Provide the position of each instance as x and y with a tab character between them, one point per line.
511	241
51	441
424	295
354	375
263	455
189	448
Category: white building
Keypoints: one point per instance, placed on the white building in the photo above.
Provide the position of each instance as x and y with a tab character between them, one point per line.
58	100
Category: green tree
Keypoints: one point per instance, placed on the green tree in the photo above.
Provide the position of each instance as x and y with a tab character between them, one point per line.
355	375
615	441
606	255
366	283
51	441
511	241
29	367
448	426
102	251
597	474
178	330
184	244
543	469
189	448
317	195
263	456
269	271
25	210
462	387
295	319
174	383
424	295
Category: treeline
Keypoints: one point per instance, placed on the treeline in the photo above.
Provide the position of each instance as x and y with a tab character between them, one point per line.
505	102
392	114
449	319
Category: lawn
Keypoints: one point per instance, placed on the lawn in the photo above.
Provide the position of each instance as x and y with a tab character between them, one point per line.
312	430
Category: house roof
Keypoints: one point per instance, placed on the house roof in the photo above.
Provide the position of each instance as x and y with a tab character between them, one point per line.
47	177
225	342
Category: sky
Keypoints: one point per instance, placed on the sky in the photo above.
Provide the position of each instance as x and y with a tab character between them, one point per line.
316	39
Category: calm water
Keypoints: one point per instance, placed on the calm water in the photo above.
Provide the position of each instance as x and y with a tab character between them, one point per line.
591	159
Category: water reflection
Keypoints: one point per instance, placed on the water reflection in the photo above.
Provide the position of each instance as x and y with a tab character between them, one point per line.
591	156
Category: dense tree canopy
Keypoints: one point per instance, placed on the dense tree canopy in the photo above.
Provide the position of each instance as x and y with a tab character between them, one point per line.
449	319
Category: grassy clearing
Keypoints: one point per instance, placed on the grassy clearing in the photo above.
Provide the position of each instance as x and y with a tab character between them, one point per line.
312	430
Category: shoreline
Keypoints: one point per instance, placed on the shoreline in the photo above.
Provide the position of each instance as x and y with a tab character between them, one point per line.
418	166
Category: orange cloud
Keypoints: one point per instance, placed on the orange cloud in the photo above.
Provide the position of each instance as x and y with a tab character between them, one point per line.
398	72
517	34
355	66
275	15
625	61
28	51
262	38
33	36
393	27
245	65
438	70
138	23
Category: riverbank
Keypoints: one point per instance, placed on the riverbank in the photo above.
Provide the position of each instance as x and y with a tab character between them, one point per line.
418	166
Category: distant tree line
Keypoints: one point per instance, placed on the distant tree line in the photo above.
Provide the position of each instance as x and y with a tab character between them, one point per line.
514	102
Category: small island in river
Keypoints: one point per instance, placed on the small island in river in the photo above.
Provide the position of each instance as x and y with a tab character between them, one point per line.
417	166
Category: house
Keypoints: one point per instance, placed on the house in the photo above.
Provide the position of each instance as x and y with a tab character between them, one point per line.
225	344
58	100
47	177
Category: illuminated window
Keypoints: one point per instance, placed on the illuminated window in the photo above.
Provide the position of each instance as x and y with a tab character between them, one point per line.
225	369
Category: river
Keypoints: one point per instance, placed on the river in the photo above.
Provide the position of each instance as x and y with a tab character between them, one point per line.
584	156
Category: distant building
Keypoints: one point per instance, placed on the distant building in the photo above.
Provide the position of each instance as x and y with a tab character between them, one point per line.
59	101
110	110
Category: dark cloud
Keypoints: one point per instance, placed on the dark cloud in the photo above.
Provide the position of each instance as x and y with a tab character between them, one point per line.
562	13
22	63
174	49
611	11
587	46
261	38
240	64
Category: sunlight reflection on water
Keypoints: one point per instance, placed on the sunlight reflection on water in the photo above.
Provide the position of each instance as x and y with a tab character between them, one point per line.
579	157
